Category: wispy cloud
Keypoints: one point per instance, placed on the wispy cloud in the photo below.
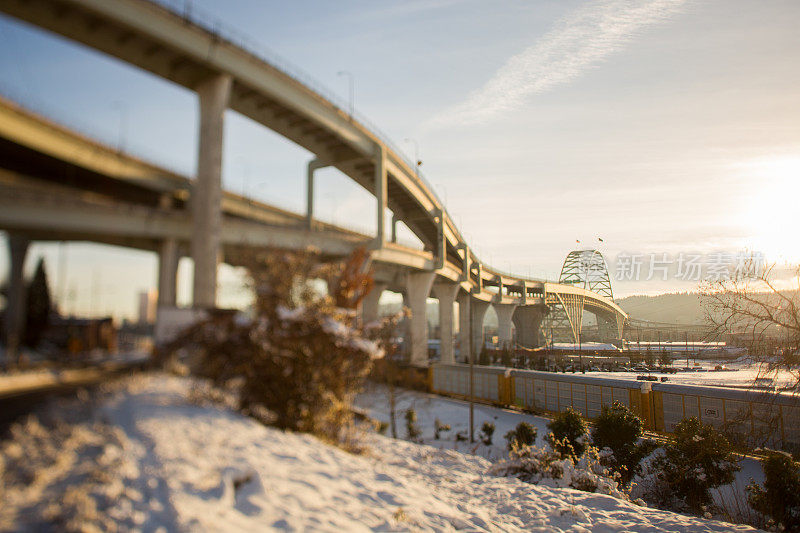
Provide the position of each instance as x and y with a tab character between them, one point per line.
579	41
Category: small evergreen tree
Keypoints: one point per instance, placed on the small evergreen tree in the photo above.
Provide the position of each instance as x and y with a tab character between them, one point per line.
568	426
779	498
483	358
505	356
620	430
38	307
486	433
699	459
523	435
412	430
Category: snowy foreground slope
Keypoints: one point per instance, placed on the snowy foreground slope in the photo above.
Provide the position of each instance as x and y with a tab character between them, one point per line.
199	468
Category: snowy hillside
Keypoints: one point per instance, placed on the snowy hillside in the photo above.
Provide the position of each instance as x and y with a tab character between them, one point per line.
169	463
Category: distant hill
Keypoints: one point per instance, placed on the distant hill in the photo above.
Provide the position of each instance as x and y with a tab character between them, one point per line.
682	307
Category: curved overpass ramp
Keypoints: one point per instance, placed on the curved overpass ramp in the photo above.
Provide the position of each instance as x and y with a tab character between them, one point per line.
224	75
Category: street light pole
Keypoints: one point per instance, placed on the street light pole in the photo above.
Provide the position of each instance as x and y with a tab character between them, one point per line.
123	123
351	80
417	161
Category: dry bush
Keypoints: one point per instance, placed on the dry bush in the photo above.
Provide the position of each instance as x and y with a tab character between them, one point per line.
758	309
300	359
546	465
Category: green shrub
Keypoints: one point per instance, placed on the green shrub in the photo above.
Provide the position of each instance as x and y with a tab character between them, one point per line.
523	435
779	498
700	458
487	431
568	433
620	430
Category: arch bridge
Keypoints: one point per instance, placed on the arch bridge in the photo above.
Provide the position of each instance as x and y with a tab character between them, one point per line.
174	215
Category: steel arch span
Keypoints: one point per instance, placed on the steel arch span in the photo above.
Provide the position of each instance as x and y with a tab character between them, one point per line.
587	270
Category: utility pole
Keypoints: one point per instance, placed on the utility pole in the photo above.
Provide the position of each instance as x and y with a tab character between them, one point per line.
686	345
471	379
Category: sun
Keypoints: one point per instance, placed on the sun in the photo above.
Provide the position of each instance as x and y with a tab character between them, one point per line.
771	211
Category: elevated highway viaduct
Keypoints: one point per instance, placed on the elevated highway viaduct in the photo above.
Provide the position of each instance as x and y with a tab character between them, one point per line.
169	213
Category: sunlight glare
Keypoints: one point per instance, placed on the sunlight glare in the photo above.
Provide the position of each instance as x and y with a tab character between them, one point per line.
770	212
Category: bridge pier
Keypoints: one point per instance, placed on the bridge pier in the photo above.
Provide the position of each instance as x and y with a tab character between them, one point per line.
528	321
505	312
418	287
477	312
15	303
207	193
446	293
313	166
168	257
381	196
463	298
369	305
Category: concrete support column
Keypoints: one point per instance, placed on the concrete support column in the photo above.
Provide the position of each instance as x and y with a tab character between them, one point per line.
505	313
168	258
528	320
369	305
478	312
446	293
207	192
380	196
418	287
313	165
464	312
15	304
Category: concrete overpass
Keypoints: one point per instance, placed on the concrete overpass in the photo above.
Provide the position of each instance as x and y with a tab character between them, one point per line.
166	212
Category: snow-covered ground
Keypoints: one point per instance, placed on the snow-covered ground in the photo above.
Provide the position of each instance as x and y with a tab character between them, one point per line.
455	413
148	458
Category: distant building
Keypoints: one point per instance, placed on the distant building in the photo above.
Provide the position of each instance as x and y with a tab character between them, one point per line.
82	335
148	303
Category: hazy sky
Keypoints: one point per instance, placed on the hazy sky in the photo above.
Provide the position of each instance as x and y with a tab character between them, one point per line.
661	126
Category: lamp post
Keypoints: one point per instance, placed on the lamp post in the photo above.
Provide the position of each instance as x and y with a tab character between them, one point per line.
351	81
417	161
123	123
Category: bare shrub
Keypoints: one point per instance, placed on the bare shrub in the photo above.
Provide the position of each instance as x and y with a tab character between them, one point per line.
298	362
413	433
